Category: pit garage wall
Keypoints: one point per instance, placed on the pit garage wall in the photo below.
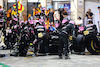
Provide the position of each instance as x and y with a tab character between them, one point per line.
93	4
23	15
1	3
57	3
77	9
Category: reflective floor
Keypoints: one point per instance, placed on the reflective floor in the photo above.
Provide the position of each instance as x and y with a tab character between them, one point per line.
51	61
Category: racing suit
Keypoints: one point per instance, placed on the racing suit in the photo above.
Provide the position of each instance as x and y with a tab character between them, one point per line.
63	38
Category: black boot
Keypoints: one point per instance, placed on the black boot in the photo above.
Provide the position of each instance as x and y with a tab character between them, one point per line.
67	57
60	57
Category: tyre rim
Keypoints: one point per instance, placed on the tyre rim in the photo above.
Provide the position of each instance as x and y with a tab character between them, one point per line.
93	47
